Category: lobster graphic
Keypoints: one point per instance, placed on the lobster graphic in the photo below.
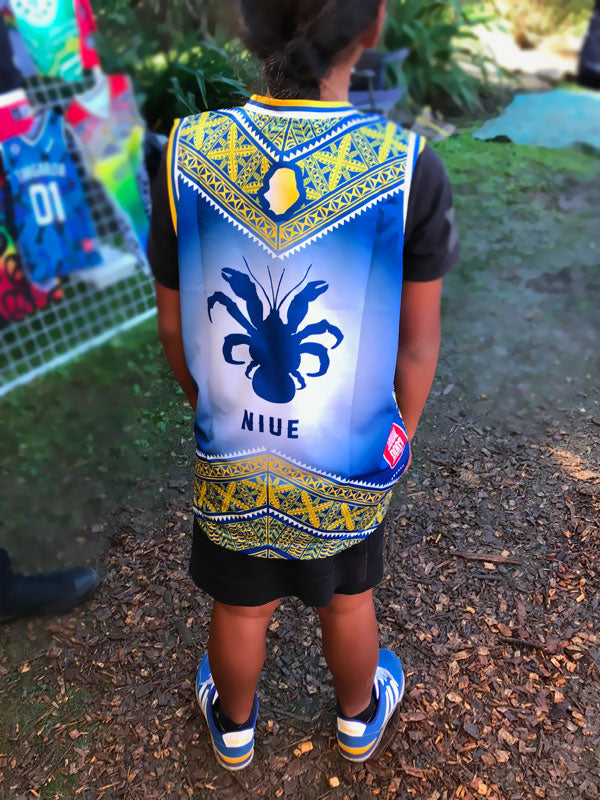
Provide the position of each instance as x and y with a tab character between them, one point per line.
275	347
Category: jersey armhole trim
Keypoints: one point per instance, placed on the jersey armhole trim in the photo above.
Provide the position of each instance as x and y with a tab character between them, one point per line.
416	145
171	175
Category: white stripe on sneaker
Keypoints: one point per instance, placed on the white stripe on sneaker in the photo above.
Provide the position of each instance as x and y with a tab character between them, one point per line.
389	696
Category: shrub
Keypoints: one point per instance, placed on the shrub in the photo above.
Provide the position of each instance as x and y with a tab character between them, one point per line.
172	52
436	33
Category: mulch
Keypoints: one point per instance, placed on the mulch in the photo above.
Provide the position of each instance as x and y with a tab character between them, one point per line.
491	600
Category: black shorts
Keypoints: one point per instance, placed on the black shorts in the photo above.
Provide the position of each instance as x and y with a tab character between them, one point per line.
237	579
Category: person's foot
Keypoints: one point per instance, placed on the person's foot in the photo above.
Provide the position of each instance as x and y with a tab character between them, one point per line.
234	749
27	595
357	741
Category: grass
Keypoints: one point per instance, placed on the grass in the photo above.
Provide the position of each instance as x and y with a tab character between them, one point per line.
505	190
81	441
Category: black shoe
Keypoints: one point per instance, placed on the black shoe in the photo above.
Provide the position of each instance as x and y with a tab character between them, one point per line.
27	595
589	63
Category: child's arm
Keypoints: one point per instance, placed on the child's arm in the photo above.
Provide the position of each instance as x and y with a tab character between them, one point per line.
169	331
418	348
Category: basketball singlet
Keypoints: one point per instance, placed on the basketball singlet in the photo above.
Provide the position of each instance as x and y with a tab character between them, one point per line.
290	224
54	228
57	35
87	28
18	298
112	133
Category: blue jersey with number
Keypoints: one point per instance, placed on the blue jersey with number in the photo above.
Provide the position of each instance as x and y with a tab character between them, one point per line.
55	232
290	226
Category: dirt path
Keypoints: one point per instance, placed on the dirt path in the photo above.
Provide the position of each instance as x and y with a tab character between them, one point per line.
493	551
491	598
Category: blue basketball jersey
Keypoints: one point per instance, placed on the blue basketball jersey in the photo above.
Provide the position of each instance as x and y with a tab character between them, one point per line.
290	224
54	228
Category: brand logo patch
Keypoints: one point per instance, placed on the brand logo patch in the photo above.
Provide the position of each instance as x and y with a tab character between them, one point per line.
396	444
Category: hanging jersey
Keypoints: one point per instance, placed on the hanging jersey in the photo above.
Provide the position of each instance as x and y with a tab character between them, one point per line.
112	136
290	224
18	51
16	114
51	35
54	229
18	298
87	28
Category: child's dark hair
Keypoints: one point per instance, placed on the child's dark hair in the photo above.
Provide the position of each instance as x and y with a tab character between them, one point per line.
298	41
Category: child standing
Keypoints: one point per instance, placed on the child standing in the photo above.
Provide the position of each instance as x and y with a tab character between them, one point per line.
286	237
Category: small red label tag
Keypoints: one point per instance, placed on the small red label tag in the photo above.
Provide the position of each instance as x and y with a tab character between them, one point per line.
396	444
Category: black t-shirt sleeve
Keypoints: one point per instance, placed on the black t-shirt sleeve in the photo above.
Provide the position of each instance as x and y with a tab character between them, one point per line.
162	241
431	246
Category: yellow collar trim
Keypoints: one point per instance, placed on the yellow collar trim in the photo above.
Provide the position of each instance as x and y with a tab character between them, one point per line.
272	101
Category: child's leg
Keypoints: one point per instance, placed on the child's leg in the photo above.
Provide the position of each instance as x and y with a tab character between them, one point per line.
236	653
351	648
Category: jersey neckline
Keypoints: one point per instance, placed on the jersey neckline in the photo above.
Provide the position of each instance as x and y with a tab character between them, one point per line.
35	132
298	108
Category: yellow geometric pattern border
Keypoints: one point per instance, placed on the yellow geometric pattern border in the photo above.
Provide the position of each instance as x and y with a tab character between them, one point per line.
272	508
342	175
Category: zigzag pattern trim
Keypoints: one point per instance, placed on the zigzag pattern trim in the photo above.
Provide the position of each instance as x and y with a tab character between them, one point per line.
270	512
303	245
337	478
383	487
228	456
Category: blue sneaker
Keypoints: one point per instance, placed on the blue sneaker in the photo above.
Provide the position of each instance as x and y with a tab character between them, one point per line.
358	741
235	750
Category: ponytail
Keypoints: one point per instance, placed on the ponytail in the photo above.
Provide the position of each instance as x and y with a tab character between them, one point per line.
298	41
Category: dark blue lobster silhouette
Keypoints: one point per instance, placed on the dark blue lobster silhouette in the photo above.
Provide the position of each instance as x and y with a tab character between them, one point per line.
276	348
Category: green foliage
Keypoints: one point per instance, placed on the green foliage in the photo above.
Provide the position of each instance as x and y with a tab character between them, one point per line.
437	34
181	57
202	77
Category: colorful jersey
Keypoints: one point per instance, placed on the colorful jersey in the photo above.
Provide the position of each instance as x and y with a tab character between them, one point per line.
54	229
16	115
87	28
51	35
18	298
290	223
112	133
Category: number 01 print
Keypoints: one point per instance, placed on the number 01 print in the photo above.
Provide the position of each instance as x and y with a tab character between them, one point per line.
47	203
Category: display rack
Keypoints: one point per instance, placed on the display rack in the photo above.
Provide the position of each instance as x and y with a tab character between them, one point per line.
96	304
